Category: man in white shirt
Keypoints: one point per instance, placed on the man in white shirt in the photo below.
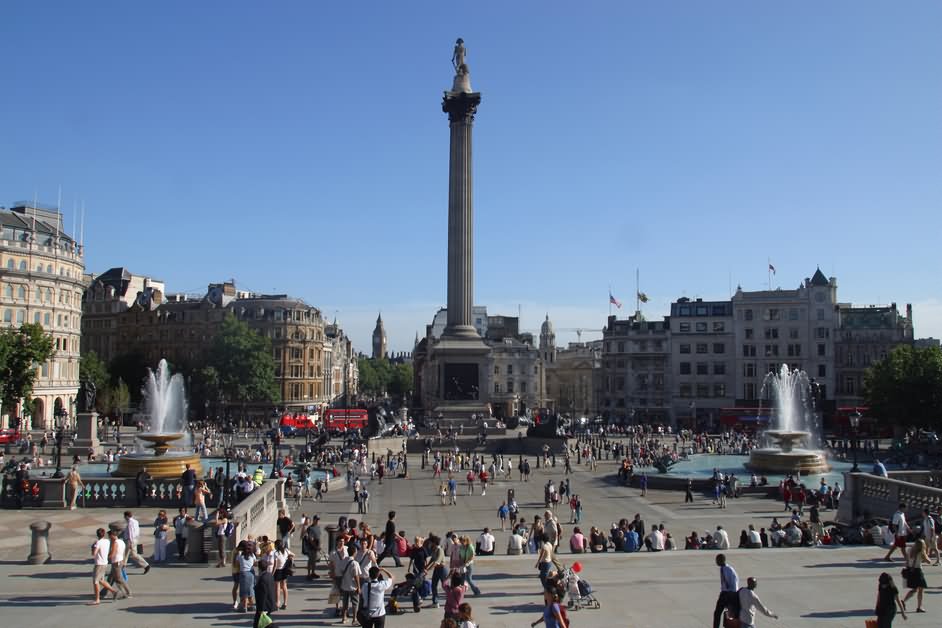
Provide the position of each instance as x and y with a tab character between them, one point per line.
350	574
655	540
929	535
116	560
722	538
486	543
132	534
100	550
755	540
748	603
515	544
372	597
900	530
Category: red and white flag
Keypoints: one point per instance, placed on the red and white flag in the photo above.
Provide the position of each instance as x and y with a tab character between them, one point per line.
614	301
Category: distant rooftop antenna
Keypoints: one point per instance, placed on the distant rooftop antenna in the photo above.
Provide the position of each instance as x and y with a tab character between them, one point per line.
82	232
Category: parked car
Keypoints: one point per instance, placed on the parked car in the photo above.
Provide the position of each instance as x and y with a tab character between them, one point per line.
9	436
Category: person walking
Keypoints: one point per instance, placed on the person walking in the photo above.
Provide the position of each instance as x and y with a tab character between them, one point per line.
285	527
74	481
311	546
245	562
688	496
452	490
466	554
265	594
283	568
132	535
389	541
930	535
437	565
729	587
552	611
372	598
900	529
100	551
749	602
116	559
887	602
350	574
915	578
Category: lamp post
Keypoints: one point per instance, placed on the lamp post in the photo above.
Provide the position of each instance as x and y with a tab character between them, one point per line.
60	436
228	437
854	425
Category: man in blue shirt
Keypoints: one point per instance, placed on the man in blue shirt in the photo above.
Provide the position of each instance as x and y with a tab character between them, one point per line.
632	541
729	587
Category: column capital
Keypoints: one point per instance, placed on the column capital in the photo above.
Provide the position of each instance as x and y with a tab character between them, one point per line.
461	106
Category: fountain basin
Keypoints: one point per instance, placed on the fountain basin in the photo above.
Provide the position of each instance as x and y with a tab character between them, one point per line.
162	463
774	460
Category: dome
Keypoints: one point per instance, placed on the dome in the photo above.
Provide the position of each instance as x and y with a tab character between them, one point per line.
547	328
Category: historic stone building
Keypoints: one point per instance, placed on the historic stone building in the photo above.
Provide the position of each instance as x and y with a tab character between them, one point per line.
109	295
574	379
636	356
341	375
41	281
703	360
794	327
865	335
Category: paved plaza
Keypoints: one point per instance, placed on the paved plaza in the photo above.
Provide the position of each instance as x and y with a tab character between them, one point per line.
806	587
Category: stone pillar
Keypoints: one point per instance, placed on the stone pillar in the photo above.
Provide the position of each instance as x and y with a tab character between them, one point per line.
86	434
195	553
39	545
460	107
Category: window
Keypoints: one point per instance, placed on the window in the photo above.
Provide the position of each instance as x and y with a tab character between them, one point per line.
510	385
772	314
684	328
277	353
749	369
703	368
822	350
11	265
719	390
21	292
510	371
703	390
771	333
620	382
685	348
771	350
849	385
685	390
748	315
685	310
748	351
701	328
23	264
497	369
719	347
8	291
702	347
749	333
702	310
685	368
822	370
749	391
719	326
819	297
523	387
49	268
794	351
621	347
47	319
496	388
719	368
793	333
820	313
821	332
36	317
793	314
719	310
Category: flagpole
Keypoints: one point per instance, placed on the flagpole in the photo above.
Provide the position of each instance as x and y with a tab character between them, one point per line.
769	270
610	300
637	290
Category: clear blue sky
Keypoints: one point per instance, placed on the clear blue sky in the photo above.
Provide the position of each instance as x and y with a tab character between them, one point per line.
300	147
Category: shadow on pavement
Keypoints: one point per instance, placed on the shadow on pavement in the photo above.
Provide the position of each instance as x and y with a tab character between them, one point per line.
862	563
866	612
529	608
48	600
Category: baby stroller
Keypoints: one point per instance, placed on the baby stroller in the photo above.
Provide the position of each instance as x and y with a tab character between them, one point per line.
411	590
579	590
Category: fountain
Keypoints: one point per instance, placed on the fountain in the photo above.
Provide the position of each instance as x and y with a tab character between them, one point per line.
166	406
793	431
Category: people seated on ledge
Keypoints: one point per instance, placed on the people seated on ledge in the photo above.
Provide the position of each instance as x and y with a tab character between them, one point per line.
578	544
632	541
597	541
755	540
721	538
693	541
654	541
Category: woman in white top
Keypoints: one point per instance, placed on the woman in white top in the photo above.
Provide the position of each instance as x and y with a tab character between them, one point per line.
282	569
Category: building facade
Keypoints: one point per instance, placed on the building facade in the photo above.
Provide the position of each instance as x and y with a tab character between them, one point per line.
574	379
108	295
866	335
41	281
793	327
636	357
703	360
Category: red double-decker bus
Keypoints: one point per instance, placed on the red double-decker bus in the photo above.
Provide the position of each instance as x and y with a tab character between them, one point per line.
343	419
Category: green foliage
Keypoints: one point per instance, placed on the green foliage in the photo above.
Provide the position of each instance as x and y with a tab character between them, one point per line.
906	387
205	393
130	368
379	377
243	363
22	351
91	368
113	399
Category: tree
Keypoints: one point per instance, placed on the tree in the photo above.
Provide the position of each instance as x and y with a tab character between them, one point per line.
132	369
22	351
400	382
204	390
906	387
243	362
113	398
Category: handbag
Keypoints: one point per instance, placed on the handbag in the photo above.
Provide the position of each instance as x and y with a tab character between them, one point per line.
870	623
264	620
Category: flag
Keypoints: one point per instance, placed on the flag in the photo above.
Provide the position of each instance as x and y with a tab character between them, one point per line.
771	269
642	297
614	301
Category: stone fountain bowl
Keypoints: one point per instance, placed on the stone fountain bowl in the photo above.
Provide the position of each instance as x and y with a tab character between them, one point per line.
159	461
785	457
160	443
787	439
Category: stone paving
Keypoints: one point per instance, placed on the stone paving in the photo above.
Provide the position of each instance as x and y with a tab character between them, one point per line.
831	587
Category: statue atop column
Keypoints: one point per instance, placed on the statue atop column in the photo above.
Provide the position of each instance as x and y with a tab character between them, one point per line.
457	57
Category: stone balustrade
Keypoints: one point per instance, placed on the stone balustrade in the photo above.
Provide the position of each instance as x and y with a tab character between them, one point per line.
869	496
99	492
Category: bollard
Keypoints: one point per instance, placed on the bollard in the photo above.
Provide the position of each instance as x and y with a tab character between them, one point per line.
331	536
39	545
195	552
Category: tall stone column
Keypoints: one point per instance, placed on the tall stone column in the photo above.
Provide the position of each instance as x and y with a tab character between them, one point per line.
460	104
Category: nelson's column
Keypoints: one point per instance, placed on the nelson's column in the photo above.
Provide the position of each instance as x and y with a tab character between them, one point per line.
456	373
